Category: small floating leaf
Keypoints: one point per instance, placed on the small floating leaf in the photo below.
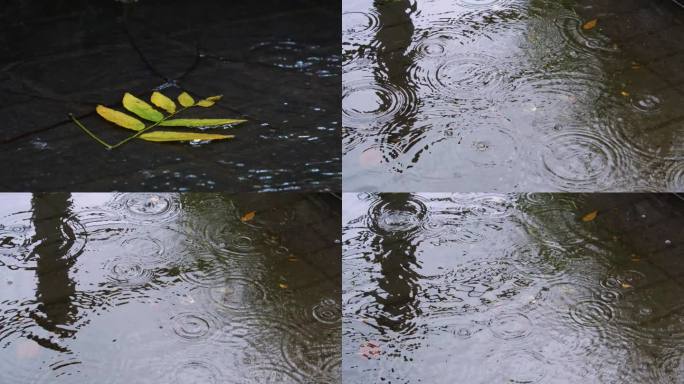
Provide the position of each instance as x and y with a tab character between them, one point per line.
163	102
626	285
182	136
209	101
199	122
141	108
248	216
186	100
590	216
591	24
119	118
624	93
282	285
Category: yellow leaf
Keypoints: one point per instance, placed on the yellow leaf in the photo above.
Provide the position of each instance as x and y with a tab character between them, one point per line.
163	102
141	108
292	258
182	136
282	285
209	101
119	118
624	93
248	216
590	216
186	100
626	285
199	122
591	24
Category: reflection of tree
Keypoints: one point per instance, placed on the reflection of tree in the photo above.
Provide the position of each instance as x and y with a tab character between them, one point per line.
55	289
398	287
393	39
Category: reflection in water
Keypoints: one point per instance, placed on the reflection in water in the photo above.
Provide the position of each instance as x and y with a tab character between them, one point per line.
479	288
169	288
394	252
54	288
506	95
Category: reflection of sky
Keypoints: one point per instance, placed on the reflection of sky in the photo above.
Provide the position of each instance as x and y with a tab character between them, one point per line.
539	295
514	93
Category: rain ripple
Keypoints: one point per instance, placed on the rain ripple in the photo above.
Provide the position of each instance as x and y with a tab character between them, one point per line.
147	208
463	77
19	240
583	161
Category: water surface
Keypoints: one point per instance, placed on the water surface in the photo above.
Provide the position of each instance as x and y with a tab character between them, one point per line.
169	288
512	95
486	288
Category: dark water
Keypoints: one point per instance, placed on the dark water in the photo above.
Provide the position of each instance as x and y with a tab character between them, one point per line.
169	288
277	64
485	288
512	95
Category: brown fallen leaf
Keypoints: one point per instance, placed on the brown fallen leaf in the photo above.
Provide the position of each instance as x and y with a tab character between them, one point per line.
370	350
248	216
624	93
590	216
282	285
292	258
591	24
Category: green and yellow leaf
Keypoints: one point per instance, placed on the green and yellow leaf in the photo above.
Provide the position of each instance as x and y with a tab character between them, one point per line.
186	100
147	112
119	118
163	102
141	108
161	136
209	101
199	122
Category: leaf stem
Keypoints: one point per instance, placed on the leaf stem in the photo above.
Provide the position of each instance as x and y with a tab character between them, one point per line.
87	131
129	138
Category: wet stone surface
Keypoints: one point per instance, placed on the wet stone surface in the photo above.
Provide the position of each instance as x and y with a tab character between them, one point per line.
277	65
508	95
152	288
486	288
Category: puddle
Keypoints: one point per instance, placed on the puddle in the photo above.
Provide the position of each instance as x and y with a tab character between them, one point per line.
482	288
510	95
172	288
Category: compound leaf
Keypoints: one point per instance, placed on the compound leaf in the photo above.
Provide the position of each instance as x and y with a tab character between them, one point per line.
186	100
182	136
199	122
163	102
119	118
209	101
141	108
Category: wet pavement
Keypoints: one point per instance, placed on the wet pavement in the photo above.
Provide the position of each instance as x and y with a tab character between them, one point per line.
277	65
169	288
512	95
487	288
